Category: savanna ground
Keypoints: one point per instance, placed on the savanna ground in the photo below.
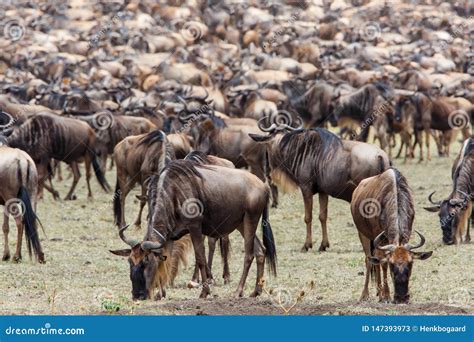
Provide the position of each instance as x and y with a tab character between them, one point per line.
82	277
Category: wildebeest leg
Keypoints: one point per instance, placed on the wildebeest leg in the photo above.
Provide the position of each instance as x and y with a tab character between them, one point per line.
323	215
400	150
42	178
368	266
200	255
77	174
87	162
248	232
386	290
142	199
6	230
259	252
211	243
225	244
58	169
419	138
428	151
19	226
308	218
274	190
111	164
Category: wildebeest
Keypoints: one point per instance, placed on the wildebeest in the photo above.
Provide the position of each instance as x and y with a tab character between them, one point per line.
46	136
383	211
431	113
18	194
137	157
111	129
202	200
317	161
455	211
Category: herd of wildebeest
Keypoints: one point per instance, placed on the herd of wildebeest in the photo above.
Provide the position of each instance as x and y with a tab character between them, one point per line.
212	107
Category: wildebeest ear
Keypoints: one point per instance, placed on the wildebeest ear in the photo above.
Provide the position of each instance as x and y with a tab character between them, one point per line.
422	255
433	209
260	138
121	252
376	261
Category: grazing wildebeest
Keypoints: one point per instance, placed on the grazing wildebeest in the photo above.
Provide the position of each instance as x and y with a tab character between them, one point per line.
455	211
319	162
202	200
18	194
46	136
137	157
164	272
383	212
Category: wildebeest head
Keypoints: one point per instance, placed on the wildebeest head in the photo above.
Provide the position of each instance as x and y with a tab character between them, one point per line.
400	261
451	212
144	258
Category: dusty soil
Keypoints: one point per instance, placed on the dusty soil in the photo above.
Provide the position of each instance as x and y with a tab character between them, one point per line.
82	277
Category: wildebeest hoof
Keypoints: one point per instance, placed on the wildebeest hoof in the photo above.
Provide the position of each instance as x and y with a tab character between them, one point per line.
306	247
274	205
70	198
56	196
6	257
226	280
255	293
384	300
324	246
364	297
17	259
204	293
192	284
238	294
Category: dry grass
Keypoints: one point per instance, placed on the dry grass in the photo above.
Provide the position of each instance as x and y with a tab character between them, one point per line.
82	277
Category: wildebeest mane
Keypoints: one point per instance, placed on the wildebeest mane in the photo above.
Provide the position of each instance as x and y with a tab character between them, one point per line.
178	182
405	207
305	148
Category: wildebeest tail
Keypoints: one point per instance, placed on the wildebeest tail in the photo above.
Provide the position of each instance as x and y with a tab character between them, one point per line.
117	207
382	166
269	241
29	223
99	173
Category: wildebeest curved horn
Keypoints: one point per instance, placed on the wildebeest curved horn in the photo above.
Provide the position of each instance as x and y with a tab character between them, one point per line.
421	243
150	245
390	248
260	125
131	242
438	203
11	120
183	101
